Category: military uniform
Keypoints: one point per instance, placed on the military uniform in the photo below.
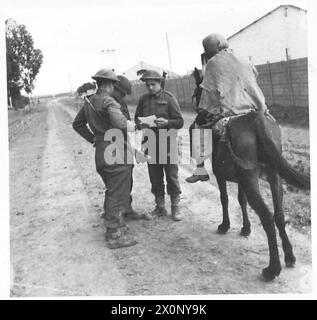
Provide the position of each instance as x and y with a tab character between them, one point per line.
162	104
106	114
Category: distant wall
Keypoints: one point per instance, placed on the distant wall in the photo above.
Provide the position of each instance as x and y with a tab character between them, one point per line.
284	84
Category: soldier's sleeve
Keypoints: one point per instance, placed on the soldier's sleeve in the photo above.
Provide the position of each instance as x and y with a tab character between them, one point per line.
176	120
80	126
117	118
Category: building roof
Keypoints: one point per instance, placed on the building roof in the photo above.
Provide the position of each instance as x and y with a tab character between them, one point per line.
131	73
277	8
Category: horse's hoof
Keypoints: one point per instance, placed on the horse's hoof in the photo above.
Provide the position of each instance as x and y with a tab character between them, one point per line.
269	273
290	264
245	232
223	229
290	261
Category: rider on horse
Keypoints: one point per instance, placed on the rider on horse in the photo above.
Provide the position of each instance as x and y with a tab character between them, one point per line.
229	86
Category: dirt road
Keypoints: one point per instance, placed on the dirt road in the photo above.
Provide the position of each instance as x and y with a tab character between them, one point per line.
57	241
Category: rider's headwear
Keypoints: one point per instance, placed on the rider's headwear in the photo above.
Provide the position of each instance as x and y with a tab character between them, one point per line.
214	43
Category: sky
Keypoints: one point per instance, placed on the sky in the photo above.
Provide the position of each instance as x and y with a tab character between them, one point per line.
73	34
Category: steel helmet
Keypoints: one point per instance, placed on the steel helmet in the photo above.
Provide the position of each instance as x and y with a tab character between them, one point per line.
151	75
123	85
213	43
105	74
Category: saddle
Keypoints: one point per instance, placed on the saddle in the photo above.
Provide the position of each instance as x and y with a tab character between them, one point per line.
220	124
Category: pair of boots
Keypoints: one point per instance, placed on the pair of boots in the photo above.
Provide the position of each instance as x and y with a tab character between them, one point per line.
160	209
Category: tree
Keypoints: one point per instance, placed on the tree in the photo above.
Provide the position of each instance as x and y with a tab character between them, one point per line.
23	60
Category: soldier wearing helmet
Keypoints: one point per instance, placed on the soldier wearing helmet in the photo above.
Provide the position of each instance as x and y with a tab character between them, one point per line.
165	107
102	112
121	89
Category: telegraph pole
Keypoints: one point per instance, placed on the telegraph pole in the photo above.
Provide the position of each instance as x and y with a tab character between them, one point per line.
169	53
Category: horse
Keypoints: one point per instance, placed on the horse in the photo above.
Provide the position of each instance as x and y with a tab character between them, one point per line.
253	149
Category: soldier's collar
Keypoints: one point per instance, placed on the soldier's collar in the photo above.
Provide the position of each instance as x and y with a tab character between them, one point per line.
157	94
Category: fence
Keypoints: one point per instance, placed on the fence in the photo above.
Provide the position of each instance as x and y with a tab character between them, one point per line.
284	84
182	88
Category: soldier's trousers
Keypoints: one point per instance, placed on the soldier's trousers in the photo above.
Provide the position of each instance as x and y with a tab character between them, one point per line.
199	162
156	173
118	182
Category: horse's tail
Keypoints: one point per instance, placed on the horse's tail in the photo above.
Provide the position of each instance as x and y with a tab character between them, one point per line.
275	158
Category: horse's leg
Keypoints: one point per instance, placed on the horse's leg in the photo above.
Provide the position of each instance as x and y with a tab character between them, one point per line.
249	180
246	230
277	195
225	225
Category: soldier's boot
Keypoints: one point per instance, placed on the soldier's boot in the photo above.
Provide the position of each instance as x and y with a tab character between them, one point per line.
117	238
176	214
159	209
134	215
200	174
194	178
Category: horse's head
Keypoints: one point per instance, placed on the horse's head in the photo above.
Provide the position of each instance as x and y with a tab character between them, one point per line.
198	76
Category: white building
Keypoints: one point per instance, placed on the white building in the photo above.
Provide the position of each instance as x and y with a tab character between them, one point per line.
131	73
281	32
